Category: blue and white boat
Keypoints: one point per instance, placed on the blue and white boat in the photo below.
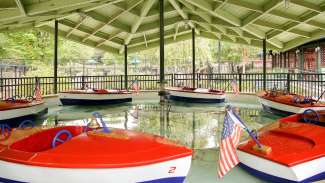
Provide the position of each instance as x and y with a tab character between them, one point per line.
196	95
94	97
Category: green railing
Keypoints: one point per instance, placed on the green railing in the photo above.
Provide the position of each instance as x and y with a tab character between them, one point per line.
305	84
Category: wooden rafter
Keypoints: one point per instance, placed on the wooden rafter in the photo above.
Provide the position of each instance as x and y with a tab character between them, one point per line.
212	18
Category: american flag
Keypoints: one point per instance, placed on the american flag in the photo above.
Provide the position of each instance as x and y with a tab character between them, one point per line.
231	132
38	92
136	86
234	86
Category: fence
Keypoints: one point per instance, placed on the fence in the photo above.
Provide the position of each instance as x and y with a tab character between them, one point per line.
305	84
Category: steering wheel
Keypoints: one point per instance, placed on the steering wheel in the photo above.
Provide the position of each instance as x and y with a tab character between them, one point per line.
29	98
57	138
309	100
10	99
26	124
5	132
313	119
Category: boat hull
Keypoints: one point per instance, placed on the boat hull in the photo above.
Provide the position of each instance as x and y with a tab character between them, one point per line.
196	97
270	171
154	173
24	113
93	99
283	109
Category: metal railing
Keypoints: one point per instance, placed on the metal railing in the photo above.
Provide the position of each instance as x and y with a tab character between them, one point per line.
305	84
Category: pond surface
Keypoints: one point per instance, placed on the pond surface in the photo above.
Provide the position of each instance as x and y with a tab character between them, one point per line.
197	126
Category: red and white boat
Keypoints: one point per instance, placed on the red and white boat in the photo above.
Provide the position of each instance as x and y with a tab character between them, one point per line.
198	95
280	102
297	149
94	97
73	154
17	110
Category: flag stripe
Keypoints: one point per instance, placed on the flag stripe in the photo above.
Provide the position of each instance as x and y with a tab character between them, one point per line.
38	93
230	138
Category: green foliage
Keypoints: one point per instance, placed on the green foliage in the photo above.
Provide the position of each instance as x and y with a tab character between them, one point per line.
35	48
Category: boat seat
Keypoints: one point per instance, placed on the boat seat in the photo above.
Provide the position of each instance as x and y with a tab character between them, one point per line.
43	141
188	88
101	91
216	91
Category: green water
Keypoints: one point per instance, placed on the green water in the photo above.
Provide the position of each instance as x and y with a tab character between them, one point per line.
195	126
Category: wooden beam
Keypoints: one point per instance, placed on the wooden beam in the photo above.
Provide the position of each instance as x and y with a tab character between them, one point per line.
224	15
100	18
109	38
76	26
21	7
289	27
112	19
78	39
179	10
267	7
144	11
88	30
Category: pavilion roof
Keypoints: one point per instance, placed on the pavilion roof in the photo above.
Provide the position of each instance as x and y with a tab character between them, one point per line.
110	24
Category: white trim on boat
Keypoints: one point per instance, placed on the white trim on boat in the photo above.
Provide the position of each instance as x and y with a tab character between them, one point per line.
296	173
36	174
196	95
20	112
287	108
88	96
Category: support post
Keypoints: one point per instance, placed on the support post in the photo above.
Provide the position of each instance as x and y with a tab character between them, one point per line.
275	60
193	130
193	57
162	92
240	82
55	64
288	82
264	64
126	67
219	56
281	60
301	60
285	60
318	59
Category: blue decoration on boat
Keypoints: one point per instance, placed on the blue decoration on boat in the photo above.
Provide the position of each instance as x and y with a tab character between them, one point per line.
308	120
97	115
5	130
167	180
25	124
272	178
57	139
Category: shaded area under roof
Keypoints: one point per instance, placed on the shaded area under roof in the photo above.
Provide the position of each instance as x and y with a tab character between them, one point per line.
110	24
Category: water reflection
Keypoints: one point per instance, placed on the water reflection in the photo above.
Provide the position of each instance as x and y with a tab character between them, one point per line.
195	126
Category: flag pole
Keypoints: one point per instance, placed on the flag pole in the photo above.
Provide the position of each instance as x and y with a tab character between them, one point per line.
320	96
259	146
250	133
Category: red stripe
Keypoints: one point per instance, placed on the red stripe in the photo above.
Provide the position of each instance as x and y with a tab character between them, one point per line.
224	158
228	157
231	151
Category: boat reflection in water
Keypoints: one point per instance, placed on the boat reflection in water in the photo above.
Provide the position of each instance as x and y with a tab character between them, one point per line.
195	126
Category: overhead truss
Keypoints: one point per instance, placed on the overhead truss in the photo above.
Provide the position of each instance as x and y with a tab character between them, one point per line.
111	24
